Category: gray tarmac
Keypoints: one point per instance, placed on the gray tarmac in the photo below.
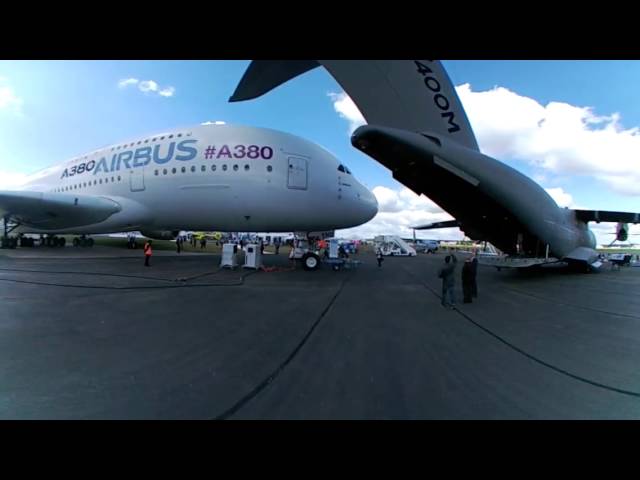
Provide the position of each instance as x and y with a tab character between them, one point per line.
96	335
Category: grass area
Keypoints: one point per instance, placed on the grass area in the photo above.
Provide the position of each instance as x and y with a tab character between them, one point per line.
633	251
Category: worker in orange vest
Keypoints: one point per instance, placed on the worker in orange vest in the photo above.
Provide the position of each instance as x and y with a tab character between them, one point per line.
147	252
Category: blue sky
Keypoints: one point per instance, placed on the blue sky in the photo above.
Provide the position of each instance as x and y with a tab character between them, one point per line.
53	110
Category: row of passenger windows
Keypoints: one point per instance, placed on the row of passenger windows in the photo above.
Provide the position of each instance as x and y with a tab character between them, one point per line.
100	181
203	168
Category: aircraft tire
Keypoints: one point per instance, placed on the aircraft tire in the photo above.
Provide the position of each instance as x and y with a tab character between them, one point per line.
90	242
310	261
76	242
62	242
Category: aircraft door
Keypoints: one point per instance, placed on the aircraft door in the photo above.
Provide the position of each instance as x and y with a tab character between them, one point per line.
136	179
297	175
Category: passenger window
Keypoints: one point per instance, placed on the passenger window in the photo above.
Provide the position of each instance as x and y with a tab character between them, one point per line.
164	171
113	179
173	170
146	141
235	167
179	135
183	169
118	177
170	136
100	181
213	168
269	168
224	167
203	168
246	167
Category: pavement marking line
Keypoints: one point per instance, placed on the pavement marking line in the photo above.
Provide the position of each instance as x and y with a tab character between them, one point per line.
273	375
528	355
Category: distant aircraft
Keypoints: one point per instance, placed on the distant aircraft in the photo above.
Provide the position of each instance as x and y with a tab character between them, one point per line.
622	234
235	178
418	128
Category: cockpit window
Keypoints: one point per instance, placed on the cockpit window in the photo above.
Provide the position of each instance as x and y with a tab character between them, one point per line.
341	168
344	169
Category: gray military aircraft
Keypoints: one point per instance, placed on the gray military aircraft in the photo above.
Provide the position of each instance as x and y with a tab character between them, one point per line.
418	129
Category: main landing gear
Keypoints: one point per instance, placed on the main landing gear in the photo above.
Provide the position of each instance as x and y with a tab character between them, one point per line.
83	241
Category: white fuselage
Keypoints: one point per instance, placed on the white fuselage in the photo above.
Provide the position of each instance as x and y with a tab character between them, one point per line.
213	177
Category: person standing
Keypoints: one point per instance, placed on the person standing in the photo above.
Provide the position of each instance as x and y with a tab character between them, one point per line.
446	273
467	280
474	270
148	251
178	244
379	257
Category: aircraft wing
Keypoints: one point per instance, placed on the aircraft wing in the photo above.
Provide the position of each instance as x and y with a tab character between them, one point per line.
603	216
430	226
52	211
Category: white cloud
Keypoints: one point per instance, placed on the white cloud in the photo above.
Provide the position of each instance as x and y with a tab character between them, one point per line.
398	211
148	87
345	107
562	198
217	122
11	180
559	138
127	81
9	101
167	92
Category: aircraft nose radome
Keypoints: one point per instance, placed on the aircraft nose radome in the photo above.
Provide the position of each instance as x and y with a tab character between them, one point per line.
370	204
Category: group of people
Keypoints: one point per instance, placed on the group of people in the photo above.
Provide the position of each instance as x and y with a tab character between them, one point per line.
469	284
131	241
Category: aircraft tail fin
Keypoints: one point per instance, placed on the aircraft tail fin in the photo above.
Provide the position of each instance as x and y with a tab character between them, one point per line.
413	95
262	76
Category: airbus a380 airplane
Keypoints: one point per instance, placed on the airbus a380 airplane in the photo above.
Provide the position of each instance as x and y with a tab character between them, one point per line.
225	177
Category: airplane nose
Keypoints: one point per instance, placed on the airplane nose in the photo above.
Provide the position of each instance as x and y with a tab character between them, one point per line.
369	204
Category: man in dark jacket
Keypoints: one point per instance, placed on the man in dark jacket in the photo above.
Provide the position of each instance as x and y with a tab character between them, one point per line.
467	280
474	269
446	273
